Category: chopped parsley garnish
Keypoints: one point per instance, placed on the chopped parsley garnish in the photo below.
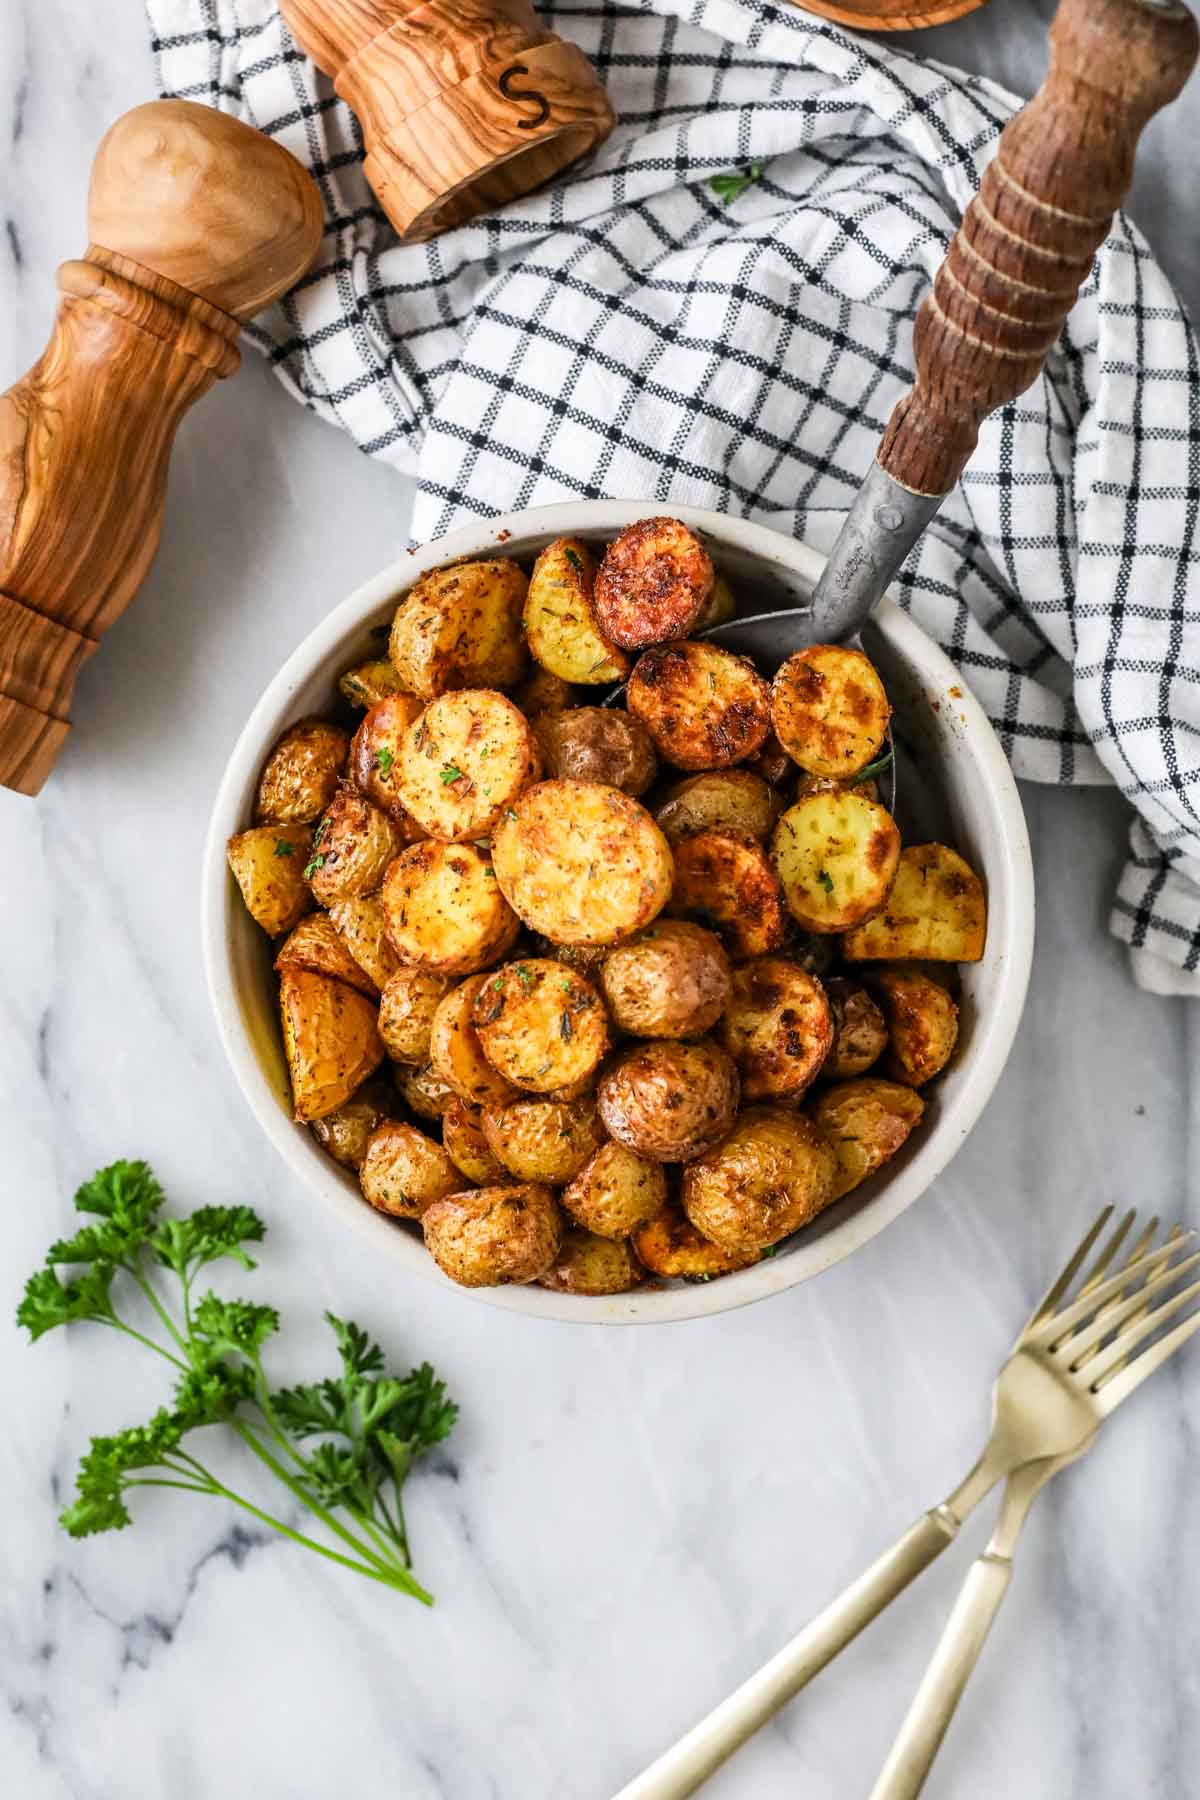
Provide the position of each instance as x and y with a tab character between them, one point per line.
826	880
575	560
525	976
731	185
450	774
385	756
312	865
283	848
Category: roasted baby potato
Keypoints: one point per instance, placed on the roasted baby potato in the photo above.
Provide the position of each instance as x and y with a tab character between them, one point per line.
836	854
424	1091
542	1139
597	743
461	628
671	1247
935	912
543	692
587	1264
487	1237
559	625
922	1024
670	1101
704	707
654	582
778	1028
541	1024
375	751
589	959
317	945
860	1034
465	759
720	797
718	609
406	1008
725	879
582	864
616	1191
772	762
672	980
403	1171
444	908
866	1121
268	864
456	1052
301	774
467	1147
329	1038
367	683
829	710
343	1133
352	847
363	929
771	1175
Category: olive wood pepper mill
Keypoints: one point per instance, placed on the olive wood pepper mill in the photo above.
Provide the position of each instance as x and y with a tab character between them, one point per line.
197	222
464	104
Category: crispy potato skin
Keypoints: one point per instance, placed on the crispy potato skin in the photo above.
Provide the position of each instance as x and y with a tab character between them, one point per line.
367	683
487	1237
375	752
403	1171
672	980
778	1028
268	864
352	847
726	879
718	609
361	926
616	1191
866	1121
456	1052
542	1025
935	912
860	1034
733	798
829	710
773	762
703	707
581	863
317	945
406	1008
329	1038
836	855
670	1101
301	775
444	909
467	1147
771	1175
460	627
542	1139
560	628
922	1024
544	692
593	1265
654	582
671	1247
423	1090
598	744
343	1133
464	760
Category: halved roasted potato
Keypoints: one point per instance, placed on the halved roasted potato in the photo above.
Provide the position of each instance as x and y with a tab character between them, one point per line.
672	980
444	908
460	627
487	1237
456	1052
922	1024
733	798
403	1171
778	1028
836	854
541	1024
317	945
671	1247
725	879
268	864
935	912
829	709
559	627
669	1100
301	775
654	582
363	929
329	1038
467	1147
406	1008
597	743
464	760
773	1173
581	863
425	1092
616	1191
860	1034
718	609
542	1138
375	752
344	1132
367	683
352	846
704	707
544	692
587	1264
866	1121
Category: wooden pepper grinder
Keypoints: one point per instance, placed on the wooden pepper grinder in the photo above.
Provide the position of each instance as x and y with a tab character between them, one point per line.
464	104
196	223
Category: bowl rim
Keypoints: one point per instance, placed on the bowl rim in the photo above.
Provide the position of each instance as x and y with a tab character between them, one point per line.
994	1032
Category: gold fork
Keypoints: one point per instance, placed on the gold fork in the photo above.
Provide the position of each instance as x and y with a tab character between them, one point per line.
1072	1365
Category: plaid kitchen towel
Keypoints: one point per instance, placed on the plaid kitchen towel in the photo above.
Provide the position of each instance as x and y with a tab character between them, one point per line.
650	327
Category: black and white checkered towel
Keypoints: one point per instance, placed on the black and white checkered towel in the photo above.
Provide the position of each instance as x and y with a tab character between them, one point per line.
635	332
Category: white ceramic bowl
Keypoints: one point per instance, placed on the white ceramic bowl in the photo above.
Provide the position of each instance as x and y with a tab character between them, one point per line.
961	783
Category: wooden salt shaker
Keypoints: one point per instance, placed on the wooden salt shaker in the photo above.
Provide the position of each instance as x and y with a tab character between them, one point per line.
464	104
196	223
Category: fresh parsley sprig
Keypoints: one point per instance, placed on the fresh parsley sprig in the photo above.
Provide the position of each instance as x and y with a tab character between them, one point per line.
342	1447
734	183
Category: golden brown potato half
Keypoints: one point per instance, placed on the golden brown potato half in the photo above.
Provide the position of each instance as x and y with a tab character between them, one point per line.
559	626
860	1034
654	582
671	1247
778	1028
539	1139
592	1265
403	1171
829	710
456	1052
732	798
725	879
467	1147
616	1191
375	752
329	1038
771	1175
490	1236
671	981
836	854
352	847
461	628
444	908
668	1100
464	760
541	1024
580	863
318	946
544	692
936	912
302	773
866	1121
406	1008
362	928
343	1133
268	864
424	1091
367	683
597	743
704	707
773	762
718	609
922	1024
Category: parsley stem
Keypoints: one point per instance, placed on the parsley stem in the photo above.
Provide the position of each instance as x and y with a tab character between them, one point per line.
185	1487
119	1324
156	1303
309	1500
389	1577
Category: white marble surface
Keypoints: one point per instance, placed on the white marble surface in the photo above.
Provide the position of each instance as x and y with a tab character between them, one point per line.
625	1522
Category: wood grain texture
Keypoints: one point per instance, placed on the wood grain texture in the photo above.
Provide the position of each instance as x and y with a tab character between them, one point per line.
1026	243
890	15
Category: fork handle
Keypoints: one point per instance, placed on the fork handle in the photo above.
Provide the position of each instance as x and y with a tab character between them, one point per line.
682	1769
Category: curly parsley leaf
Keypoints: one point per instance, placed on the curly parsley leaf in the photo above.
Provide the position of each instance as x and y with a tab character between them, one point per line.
733	184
